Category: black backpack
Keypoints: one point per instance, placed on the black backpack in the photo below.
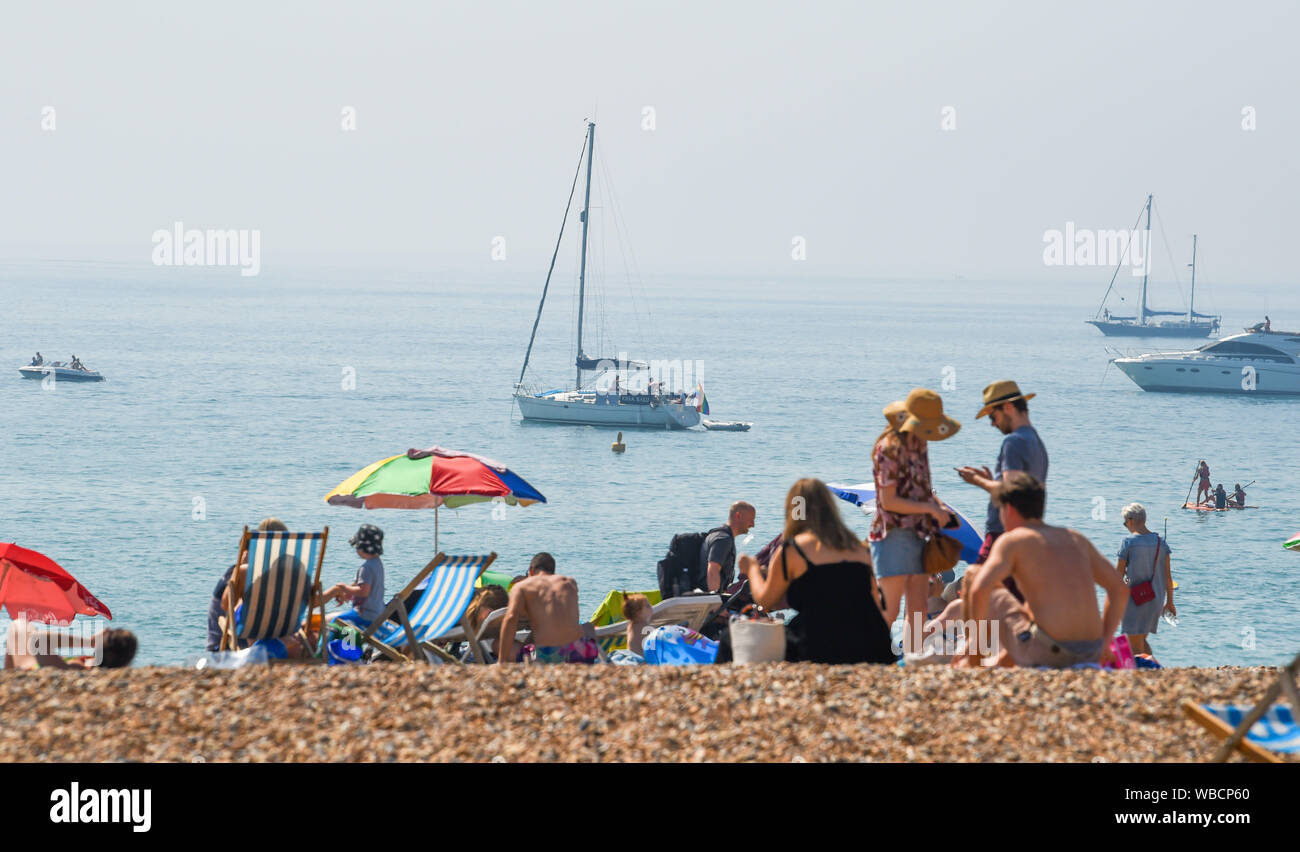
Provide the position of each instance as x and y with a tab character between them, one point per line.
681	571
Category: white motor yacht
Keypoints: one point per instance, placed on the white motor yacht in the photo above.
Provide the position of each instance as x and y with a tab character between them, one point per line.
1265	362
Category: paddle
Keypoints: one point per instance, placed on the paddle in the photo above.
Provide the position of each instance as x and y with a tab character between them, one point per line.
1195	477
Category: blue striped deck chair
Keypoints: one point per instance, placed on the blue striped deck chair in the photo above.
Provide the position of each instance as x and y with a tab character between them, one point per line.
1261	732
399	634
280	582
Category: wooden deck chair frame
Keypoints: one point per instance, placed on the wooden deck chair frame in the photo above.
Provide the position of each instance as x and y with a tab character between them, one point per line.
396	609
230	642
1235	738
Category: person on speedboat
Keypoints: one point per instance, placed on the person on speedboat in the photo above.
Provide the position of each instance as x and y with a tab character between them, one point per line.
37	361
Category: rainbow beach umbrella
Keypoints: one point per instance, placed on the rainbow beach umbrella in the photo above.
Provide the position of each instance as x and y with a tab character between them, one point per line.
1293	543
430	479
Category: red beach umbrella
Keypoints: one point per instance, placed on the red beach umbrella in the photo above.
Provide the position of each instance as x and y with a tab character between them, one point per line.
34	587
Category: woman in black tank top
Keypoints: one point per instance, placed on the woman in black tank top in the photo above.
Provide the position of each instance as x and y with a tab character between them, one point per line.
840	616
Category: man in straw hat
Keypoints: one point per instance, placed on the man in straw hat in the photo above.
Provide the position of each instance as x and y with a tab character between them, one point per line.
1008	410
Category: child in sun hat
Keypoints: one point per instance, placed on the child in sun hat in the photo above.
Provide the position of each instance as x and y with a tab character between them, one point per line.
907	512
366	591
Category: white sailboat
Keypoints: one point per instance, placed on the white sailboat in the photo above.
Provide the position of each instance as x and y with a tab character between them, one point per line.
1189	322
616	392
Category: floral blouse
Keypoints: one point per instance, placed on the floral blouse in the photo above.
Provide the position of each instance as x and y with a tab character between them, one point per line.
902	461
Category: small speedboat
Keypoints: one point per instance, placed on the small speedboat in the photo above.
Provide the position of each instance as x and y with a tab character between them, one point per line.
726	425
61	372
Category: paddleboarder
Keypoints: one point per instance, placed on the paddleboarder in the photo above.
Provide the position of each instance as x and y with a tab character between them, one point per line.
1220	497
1204	488
1238	498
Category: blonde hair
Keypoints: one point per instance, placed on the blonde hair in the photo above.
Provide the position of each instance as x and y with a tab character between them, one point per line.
818	514
272	525
487	599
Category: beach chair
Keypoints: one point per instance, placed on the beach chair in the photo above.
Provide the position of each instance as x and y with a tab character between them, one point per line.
489	628
690	611
1261	732
280	583
405	636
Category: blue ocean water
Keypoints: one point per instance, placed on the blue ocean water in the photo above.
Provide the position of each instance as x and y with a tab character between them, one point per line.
228	394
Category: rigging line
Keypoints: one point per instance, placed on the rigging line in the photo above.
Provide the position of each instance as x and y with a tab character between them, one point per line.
1164	238
636	283
1209	300
1122	256
604	340
625	250
567	205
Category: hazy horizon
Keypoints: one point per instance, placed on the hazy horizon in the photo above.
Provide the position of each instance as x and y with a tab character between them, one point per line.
771	122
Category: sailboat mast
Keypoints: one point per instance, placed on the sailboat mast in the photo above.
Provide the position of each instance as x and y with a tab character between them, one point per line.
582	269
1146	267
1191	305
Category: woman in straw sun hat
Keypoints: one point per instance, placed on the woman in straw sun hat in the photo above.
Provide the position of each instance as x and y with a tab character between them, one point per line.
907	512
896	414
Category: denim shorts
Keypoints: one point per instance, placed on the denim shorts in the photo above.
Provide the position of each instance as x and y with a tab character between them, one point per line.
898	554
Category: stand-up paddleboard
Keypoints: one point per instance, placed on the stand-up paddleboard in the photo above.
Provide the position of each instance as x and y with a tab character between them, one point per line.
1200	508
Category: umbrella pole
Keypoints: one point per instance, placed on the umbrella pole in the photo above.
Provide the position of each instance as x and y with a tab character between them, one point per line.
435	529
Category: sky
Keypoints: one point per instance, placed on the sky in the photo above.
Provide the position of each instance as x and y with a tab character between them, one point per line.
906	140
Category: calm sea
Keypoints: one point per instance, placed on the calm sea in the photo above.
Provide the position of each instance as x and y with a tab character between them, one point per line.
226	401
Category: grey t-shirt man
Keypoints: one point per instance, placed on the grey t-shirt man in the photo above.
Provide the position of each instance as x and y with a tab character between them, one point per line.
371	571
1021	450
720	547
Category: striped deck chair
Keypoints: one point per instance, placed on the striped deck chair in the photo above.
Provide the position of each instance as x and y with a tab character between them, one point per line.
440	608
279	584
1260	732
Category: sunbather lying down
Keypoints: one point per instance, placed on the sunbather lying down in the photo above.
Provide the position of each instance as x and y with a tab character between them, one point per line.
29	646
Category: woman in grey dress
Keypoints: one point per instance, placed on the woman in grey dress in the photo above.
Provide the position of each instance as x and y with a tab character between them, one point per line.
1143	556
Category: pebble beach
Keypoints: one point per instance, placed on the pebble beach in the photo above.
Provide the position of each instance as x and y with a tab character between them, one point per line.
779	713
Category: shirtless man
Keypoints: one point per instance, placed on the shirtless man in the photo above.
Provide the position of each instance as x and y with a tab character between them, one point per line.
549	603
1058	624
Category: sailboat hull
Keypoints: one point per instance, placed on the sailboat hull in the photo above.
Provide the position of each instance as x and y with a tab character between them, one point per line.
1128	329
585	410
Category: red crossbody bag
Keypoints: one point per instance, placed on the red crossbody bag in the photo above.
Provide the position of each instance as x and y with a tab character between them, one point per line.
1145	592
